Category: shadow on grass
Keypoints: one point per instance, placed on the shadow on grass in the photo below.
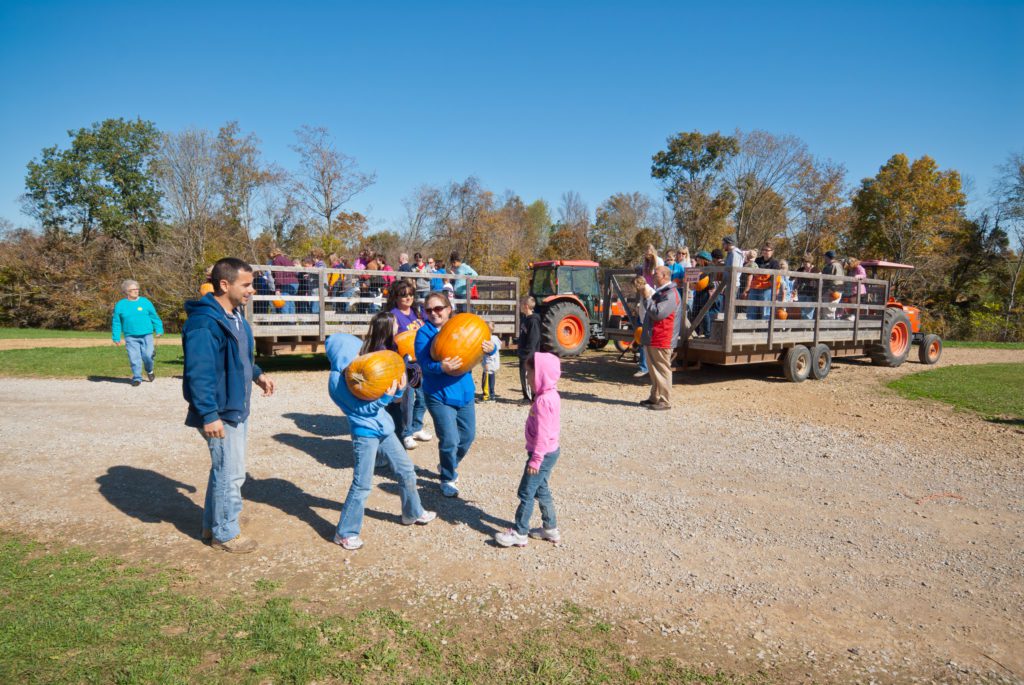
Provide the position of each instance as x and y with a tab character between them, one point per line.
152	497
1007	422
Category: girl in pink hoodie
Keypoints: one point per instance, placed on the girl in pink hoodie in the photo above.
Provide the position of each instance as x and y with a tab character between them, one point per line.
543	370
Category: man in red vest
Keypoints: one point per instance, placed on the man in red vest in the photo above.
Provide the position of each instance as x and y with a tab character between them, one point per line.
661	331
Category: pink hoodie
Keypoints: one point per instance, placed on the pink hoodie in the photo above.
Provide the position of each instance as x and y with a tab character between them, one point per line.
544	421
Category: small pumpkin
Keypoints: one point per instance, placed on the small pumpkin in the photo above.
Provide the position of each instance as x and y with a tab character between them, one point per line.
370	375
703	283
836	295
205	288
277	303
462	336
781	314
637	334
406	341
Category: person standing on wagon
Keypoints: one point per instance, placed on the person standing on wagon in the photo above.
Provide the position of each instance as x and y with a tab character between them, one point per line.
136	319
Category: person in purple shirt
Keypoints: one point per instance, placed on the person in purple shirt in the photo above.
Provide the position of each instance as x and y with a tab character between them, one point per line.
403	306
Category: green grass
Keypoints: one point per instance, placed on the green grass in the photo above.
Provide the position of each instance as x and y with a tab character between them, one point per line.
994	390
984	345
69	616
41	333
107	361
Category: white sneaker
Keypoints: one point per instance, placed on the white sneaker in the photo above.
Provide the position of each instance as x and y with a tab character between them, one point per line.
422	436
449	489
549	534
423	520
352	543
640	374
410	443
510	538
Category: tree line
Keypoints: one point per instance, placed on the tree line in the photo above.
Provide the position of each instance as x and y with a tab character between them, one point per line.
123	199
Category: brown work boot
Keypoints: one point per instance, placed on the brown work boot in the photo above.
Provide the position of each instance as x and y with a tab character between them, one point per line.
238	545
207	535
660	406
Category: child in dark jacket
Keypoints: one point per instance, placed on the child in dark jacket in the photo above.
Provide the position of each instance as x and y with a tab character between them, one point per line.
528	341
542	450
373	432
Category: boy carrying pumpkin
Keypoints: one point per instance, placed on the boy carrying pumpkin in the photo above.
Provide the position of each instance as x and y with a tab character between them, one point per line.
373	432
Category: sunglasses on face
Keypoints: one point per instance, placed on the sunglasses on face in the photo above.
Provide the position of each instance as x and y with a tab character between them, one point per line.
437	311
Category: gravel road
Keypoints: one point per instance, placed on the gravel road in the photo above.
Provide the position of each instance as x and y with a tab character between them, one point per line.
827	531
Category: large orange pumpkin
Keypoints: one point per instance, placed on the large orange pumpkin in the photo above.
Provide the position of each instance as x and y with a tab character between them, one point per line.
406	341
205	288
371	374
781	314
702	284
462	336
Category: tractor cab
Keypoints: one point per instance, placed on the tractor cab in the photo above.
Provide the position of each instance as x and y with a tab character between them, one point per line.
568	296
930	345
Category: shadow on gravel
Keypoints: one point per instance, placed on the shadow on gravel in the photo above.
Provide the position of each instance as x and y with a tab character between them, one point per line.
603	367
589	397
453	509
292	500
324	425
109	379
335	453
152	498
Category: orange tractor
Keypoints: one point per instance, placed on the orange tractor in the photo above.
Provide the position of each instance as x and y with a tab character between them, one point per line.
903	322
568	295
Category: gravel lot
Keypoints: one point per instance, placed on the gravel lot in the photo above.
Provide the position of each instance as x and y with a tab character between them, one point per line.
825	531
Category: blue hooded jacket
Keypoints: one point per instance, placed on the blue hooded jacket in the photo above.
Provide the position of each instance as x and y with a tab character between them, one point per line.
218	381
365	418
455	391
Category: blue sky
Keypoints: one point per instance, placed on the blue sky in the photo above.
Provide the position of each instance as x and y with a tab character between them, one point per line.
538	98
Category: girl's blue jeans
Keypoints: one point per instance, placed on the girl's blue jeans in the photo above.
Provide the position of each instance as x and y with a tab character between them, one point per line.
364	452
456	430
536	487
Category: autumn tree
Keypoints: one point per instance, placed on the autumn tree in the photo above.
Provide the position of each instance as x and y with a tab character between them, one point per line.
616	223
820	210
1008	193
102	183
691	172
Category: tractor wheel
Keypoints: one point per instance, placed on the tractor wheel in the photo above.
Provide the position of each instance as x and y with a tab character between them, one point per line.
930	349
565	330
821	361
598	343
796	364
895	345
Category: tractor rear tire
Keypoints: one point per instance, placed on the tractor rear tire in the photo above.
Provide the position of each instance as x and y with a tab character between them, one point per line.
821	361
896	337
565	330
796	364
930	349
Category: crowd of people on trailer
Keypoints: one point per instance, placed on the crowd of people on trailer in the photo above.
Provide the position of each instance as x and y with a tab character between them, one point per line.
220	369
423	272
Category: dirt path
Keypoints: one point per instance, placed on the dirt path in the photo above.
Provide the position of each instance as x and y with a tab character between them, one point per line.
826	531
32	343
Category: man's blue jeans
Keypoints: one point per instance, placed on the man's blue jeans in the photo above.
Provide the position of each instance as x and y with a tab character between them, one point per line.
536	487
456	430
414	404
763	294
364	452
642	363
140	353
223	503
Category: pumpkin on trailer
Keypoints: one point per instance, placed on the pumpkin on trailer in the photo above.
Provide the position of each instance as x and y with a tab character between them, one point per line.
702	284
205	288
781	313
406	341
370	375
836	295
277	303
463	336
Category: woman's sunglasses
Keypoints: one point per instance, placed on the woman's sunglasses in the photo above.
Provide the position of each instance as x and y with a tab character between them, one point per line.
436	310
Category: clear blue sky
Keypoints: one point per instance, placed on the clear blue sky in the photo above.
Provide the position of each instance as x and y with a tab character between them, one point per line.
538	98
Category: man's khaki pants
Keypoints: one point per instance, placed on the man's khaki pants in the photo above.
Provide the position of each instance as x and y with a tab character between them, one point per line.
659	361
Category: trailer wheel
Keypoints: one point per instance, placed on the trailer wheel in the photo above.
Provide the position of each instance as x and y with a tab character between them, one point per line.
598	343
565	330
623	345
821	361
930	349
796	364
895	345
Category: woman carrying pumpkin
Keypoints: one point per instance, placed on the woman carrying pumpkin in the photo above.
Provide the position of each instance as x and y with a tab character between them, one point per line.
373	433
401	304
448	385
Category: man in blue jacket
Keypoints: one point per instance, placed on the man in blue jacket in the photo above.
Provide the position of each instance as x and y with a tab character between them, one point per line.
219	373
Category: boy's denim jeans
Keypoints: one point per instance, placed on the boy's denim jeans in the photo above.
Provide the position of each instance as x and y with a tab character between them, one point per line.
414	404
536	486
763	294
364	453
456	430
224	488
140	353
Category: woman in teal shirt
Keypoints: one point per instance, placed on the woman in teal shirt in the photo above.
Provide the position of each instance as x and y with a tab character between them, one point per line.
136	319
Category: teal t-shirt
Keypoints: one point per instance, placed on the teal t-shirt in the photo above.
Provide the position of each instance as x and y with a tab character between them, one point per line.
135	317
